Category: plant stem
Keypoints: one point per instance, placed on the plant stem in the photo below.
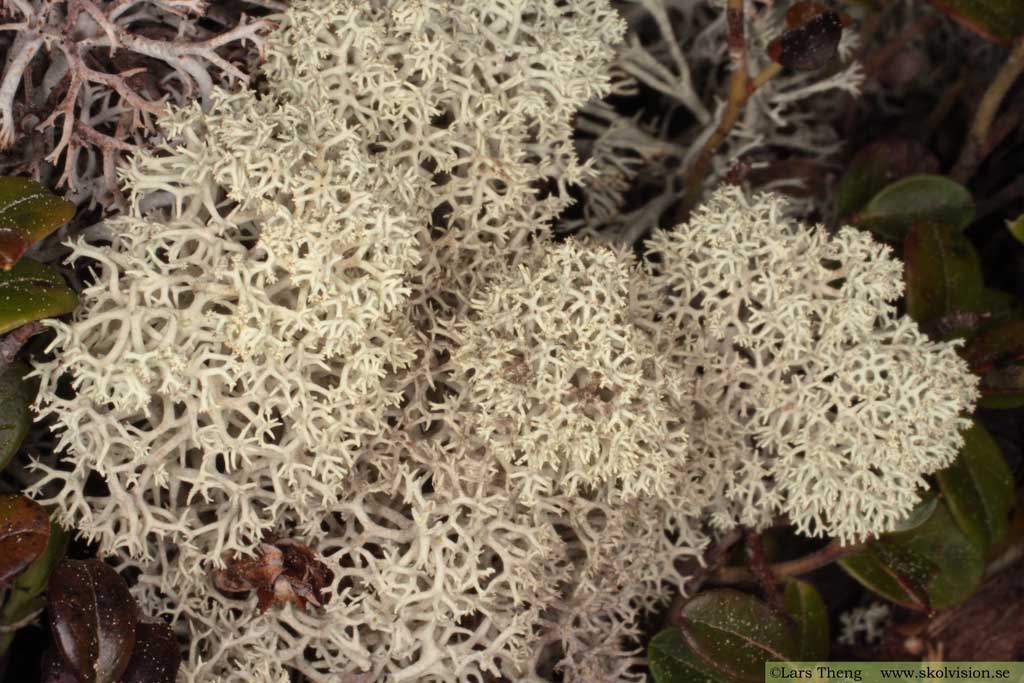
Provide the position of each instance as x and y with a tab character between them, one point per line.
741	87
760	567
783	570
975	149
12	343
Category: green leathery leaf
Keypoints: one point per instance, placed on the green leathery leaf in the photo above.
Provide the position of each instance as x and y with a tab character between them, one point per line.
931	567
921	513
943	271
672	661
28	213
736	633
30	291
876	165
997	20
922	197
804	604
1016	228
16	395
978	487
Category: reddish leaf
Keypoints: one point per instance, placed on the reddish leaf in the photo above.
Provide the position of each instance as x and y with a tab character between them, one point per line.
55	670
93	618
811	46
24	531
156	656
28	213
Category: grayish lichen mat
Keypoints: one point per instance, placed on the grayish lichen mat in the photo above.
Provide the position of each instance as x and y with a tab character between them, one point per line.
335	314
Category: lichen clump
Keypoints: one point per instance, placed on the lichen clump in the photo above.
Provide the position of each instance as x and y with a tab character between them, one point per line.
813	396
335	316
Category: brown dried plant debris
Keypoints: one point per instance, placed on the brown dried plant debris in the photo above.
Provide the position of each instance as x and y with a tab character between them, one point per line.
84	81
283	571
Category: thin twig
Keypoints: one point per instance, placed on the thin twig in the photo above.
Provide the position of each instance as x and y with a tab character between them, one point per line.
12	343
783	570
760	567
979	142
741	87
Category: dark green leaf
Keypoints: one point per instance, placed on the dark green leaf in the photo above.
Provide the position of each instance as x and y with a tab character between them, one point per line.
27	594
943	272
15	396
933	566
28	213
877	165
805	605
921	513
736	633
671	661
31	291
978	488
156	657
932	198
1016	228
997	20
92	618
24	531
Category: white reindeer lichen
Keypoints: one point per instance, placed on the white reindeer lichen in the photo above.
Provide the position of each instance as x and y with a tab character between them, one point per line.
335	313
814	398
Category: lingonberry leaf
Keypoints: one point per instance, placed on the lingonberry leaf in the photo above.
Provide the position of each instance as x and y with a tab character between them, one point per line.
93	618
27	592
15	396
934	198
997	20
736	633
943	272
811	46
24	531
28	213
30	291
978	487
804	604
672	661
156	657
931	567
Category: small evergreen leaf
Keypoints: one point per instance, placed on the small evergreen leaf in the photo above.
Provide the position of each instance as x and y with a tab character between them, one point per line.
28	213
30	291
1016	228
931	567
877	165
934	198
978	487
671	661
155	657
92	618
997	20
736	633
811	46
804	604
24	532
943	272
16	395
